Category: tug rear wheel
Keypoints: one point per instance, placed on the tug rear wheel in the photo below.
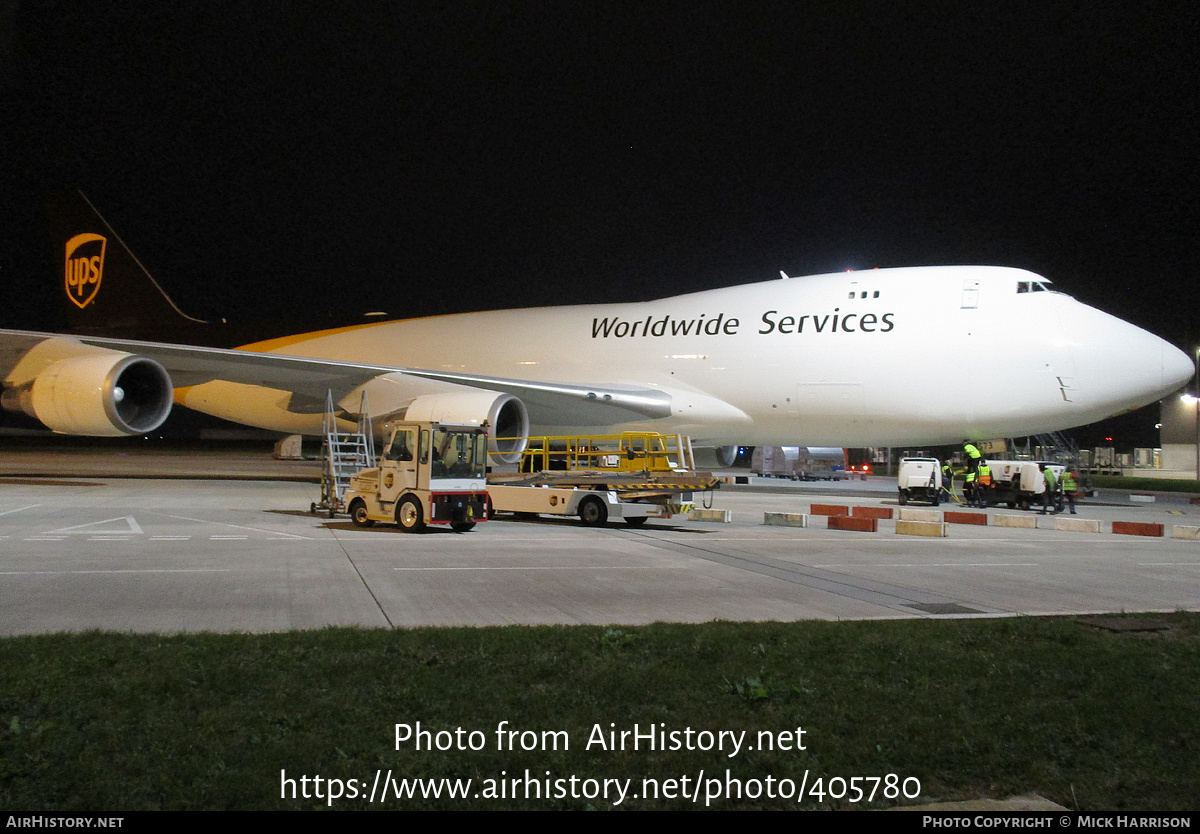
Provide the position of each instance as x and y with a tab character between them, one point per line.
592	512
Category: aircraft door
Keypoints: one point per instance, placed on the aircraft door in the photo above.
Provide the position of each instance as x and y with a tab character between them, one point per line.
398	469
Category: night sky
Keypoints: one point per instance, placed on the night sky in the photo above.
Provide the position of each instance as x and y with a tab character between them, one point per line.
322	161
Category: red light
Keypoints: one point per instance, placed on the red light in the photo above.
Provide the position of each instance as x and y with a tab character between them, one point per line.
866	467
1108	438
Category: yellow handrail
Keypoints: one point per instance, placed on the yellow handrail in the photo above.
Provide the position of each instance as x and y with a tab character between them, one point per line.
628	452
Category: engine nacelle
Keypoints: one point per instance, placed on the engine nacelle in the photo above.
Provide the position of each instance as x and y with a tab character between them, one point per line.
507	419
727	455
107	394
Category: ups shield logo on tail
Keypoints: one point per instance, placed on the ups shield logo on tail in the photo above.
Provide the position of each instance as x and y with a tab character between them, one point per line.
84	268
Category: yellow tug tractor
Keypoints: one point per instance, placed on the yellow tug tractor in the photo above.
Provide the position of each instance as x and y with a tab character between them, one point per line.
430	473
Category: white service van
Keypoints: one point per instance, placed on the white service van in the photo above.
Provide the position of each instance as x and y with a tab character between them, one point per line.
920	479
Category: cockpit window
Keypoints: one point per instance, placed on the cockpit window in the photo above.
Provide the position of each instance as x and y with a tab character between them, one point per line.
1032	286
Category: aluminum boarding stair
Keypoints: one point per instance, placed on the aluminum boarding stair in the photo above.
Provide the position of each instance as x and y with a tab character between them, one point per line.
343	454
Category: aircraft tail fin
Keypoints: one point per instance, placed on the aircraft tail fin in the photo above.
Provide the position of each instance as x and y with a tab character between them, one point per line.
106	290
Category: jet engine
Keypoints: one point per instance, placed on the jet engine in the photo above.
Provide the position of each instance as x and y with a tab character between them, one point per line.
727	455
506	417
107	394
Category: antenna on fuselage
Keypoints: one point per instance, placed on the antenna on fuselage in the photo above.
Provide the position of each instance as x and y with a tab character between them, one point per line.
784	275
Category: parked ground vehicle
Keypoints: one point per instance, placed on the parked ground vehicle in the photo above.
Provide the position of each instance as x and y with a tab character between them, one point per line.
429	473
920	479
633	476
1018	483
435	473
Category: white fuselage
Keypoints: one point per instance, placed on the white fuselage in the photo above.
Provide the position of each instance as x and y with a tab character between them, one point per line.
873	358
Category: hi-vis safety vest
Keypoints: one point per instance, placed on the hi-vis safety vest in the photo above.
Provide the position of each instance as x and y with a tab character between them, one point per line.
1068	482
985	475
972	452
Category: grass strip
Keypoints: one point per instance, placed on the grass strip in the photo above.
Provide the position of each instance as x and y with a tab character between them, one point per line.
1094	720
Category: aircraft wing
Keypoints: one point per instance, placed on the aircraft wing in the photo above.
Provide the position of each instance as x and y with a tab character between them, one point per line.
562	404
25	355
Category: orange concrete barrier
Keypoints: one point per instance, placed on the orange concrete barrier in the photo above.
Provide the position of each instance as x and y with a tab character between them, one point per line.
829	509
871	512
845	522
952	517
1137	528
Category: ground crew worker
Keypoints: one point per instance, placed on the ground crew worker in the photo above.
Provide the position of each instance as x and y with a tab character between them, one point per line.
969	487
974	456
1048	492
983	482
1070	485
947	480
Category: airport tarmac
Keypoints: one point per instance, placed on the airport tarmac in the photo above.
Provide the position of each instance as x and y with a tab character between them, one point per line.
178	554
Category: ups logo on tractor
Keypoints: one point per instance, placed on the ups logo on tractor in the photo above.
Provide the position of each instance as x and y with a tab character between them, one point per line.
84	267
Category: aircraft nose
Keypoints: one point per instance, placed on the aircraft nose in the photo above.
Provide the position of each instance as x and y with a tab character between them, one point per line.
1134	365
1177	367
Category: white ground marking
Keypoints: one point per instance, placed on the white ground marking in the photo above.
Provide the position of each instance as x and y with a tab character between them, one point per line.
240	527
147	570
19	509
553	567
131	526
